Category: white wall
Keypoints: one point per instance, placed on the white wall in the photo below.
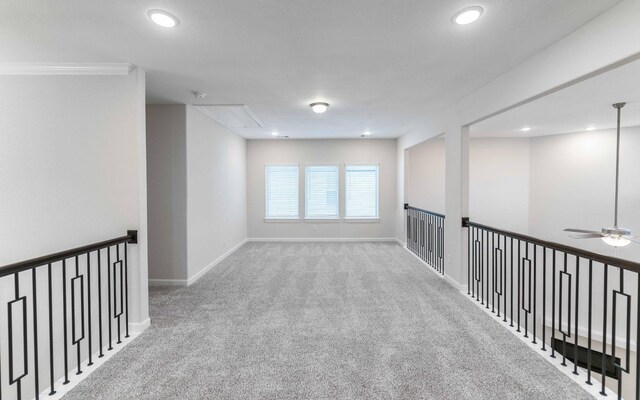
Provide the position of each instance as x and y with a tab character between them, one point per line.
499	183
216	191
167	191
498	180
197	192
381	151
424	175
71	174
68	159
605	42
572	186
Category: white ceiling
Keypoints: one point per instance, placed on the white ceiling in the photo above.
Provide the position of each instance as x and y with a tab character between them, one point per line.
384	66
586	104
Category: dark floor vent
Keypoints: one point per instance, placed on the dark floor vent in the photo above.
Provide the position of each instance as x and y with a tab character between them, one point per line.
583	354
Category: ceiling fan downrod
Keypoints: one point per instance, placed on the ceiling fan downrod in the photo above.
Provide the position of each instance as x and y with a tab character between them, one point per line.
617	106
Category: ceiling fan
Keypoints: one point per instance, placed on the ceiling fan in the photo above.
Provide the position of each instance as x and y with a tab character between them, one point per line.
616	236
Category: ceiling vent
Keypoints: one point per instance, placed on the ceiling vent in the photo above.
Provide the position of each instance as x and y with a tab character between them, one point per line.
231	115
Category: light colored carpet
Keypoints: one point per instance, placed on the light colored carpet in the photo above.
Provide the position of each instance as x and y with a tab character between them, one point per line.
323	321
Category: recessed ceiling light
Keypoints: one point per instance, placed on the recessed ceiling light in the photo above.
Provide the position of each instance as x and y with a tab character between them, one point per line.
163	18
525	129
467	15
319	107
591	128
274	133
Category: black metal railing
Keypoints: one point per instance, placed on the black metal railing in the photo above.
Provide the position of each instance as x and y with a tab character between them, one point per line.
58	302
425	236
576	304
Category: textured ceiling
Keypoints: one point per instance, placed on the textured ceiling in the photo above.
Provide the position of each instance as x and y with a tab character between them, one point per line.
385	66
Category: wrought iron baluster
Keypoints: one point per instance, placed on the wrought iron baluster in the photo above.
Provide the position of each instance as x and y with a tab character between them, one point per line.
603	390
89	309
519	283
575	341
511	278
126	290
51	369
535	290
64	317
544	298
589	321
99	252
553	304
36	378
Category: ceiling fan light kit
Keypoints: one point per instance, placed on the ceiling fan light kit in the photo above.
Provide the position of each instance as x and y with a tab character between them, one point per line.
616	236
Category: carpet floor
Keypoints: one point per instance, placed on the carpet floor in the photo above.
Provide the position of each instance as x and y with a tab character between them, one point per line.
323	321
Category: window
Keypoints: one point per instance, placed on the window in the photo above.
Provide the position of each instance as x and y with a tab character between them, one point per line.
321	192
281	191
361	191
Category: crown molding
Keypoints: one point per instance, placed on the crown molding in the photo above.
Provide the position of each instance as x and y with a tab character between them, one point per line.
67	69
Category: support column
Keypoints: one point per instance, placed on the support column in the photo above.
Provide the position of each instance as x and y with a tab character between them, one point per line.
456	202
138	273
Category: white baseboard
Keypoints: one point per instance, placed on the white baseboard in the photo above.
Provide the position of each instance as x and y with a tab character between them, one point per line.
139	327
596	335
62	389
168	282
458	286
373	239
567	370
199	274
215	262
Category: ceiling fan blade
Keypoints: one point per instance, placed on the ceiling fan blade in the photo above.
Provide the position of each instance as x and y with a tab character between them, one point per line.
586	236
582	231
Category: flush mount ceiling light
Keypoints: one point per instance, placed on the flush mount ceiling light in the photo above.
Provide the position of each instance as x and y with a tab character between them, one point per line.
525	129
319	107
467	15
274	133
367	133
591	128
163	18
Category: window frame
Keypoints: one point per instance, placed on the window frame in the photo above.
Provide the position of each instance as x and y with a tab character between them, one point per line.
362	218
306	202
282	218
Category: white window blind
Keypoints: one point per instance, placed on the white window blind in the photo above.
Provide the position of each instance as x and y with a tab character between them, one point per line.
321	192
361	191
281	191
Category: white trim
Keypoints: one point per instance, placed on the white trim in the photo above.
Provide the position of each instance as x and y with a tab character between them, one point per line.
364	220
373	239
215	262
167	282
593	389
74	380
456	285
596	336
67	69
199	274
139	327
